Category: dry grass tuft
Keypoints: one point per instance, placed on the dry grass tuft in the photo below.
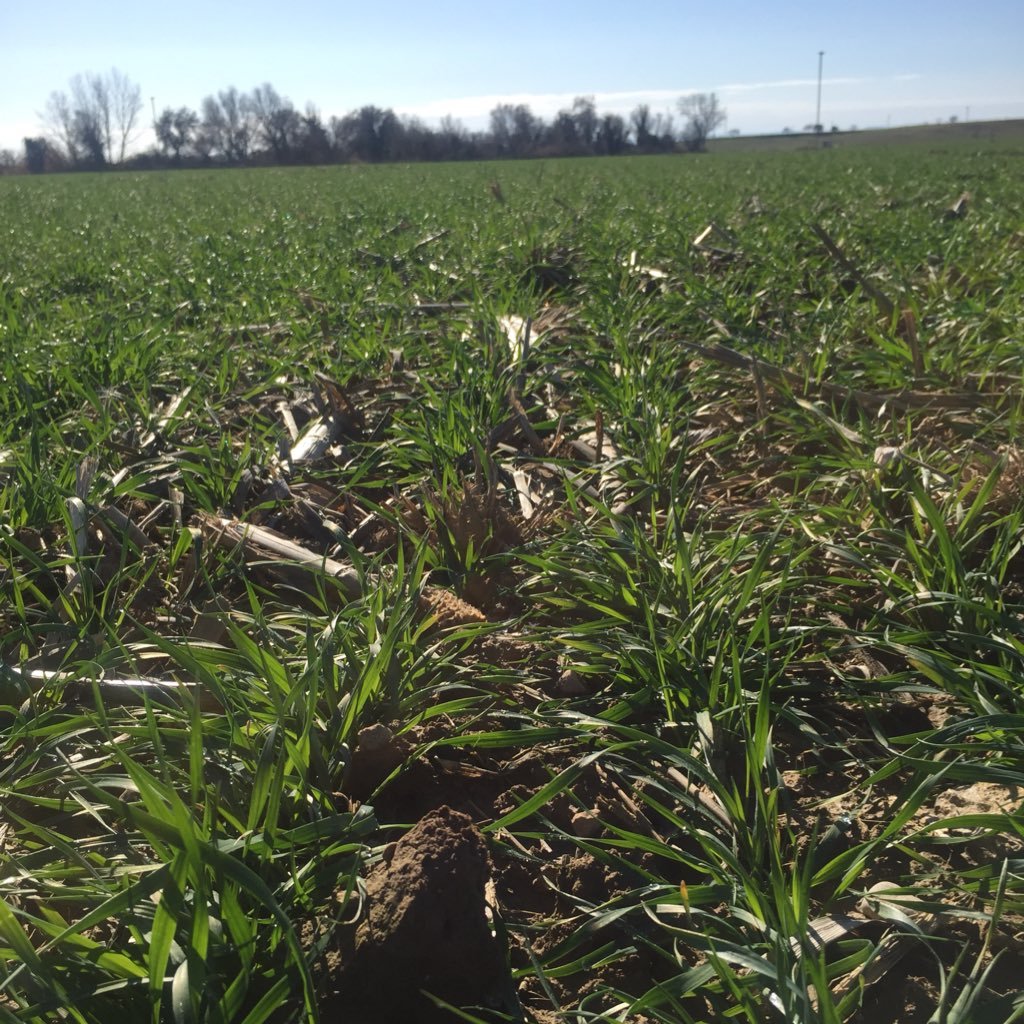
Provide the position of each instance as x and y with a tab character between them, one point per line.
1008	492
448	609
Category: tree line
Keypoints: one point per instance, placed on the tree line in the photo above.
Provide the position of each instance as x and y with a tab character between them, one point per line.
92	125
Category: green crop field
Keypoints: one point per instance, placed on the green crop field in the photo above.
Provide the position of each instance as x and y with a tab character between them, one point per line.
547	591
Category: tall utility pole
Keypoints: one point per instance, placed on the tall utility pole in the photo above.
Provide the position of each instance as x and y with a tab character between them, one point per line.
817	116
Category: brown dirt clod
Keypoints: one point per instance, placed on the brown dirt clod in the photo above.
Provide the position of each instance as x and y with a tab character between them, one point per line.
427	930
377	754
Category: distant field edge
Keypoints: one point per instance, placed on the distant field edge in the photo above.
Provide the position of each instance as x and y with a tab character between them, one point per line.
1007	132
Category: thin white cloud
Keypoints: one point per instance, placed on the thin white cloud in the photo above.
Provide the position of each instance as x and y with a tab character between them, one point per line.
474	110
544	104
752	106
790	83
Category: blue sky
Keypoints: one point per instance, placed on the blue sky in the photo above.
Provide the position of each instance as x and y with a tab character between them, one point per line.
895	62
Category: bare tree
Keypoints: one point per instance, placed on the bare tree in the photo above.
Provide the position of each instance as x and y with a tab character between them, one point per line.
174	130
640	119
203	144
611	134
228	125
665	130
277	121
369	134
240	123
454	141
503	126
528	128
515	129
59	118
89	120
125	105
314	143
91	139
584	115
562	136
96	118
213	131
96	115
703	116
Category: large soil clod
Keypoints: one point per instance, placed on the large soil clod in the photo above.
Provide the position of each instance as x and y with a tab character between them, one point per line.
427	930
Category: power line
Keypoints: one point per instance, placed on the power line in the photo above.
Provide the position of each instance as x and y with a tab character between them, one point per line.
817	116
